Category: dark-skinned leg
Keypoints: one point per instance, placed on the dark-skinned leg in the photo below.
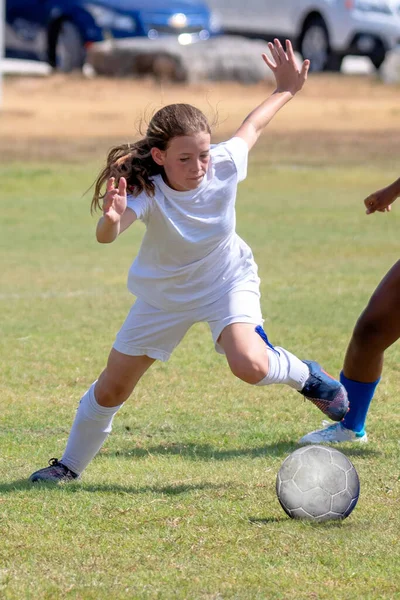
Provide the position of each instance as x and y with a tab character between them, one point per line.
377	328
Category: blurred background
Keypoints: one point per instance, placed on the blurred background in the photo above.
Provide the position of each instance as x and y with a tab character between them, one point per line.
64	62
79	75
62	33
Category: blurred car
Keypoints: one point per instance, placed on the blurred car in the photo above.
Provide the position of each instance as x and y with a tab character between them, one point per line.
59	31
325	31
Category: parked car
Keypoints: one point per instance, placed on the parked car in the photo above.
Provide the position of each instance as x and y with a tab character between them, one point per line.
325	31
58	31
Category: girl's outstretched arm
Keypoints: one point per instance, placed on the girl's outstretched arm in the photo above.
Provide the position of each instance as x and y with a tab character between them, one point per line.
289	80
116	217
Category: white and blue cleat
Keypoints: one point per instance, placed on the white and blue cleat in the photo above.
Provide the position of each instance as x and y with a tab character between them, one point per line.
323	390
335	433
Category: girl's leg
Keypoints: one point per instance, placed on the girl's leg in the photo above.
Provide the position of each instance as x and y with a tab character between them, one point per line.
148	334
96	410
235	322
119	378
252	361
377	328
252	358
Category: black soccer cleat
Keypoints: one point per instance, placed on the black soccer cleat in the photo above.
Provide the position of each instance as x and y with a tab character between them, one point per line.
55	472
328	394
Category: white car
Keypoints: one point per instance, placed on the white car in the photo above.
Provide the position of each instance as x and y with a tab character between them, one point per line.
325	31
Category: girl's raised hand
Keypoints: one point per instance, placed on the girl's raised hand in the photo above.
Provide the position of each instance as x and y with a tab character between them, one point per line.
114	202
289	78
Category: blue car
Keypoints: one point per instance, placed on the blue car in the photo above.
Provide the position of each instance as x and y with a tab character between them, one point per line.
59	31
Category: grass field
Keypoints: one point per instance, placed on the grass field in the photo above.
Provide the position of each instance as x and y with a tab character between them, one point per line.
180	503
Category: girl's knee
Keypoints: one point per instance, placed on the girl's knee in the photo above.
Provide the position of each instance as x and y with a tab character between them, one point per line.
110	393
249	368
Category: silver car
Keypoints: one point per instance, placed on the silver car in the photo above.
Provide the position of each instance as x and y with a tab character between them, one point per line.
325	31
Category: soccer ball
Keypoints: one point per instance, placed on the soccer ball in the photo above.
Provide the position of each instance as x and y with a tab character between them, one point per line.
317	483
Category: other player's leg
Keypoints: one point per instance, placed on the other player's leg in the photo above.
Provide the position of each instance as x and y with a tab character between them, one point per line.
377	328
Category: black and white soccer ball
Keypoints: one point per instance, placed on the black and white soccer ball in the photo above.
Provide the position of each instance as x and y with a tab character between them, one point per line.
317	483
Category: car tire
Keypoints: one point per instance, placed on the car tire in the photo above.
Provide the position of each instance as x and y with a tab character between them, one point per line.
378	57
334	63
314	46
69	51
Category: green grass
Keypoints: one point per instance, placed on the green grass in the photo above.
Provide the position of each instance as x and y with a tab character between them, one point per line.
180	503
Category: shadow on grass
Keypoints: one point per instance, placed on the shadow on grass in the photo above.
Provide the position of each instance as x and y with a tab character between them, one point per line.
206	452
202	452
333	524
266	520
193	451
79	486
359	451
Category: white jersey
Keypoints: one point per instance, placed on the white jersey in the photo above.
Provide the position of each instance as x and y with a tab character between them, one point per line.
191	254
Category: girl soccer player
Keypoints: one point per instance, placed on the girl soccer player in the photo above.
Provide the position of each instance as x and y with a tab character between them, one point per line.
192	266
377	328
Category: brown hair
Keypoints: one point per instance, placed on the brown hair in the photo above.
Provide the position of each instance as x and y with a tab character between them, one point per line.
134	161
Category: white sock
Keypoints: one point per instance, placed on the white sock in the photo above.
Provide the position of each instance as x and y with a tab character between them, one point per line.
285	367
89	431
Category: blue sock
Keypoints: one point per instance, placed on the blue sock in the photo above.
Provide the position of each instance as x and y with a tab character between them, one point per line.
360	396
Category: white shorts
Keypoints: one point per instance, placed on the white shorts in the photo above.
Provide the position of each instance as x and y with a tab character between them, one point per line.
156	333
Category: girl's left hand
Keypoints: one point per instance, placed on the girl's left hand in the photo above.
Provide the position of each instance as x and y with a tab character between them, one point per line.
287	74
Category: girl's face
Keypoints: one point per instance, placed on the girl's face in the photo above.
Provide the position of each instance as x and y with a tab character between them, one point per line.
185	161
